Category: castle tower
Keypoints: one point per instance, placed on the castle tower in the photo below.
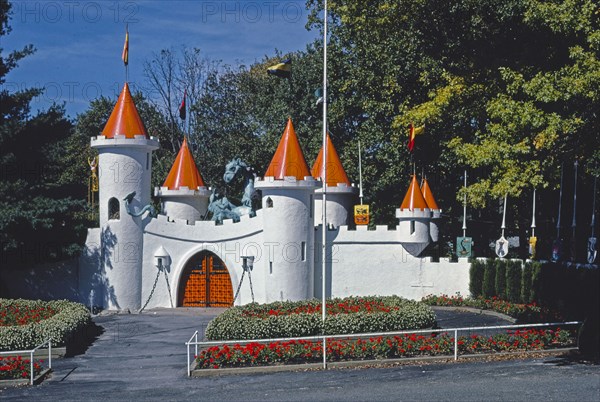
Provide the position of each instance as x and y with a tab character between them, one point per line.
341	195
183	194
288	214
125	162
436	212
414	218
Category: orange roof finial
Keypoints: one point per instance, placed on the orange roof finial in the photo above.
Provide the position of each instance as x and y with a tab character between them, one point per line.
428	195
288	159
414	198
335	171
184	172
124	119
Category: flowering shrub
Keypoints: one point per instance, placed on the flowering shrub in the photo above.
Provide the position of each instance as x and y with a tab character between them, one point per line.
522	312
303	351
344	316
22	315
68	318
16	367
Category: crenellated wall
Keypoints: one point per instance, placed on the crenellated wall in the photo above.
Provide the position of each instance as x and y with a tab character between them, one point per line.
366	262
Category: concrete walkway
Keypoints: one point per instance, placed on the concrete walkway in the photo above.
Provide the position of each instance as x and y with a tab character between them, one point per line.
142	357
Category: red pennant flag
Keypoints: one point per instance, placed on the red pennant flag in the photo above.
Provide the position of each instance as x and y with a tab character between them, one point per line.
182	107
411	137
125	55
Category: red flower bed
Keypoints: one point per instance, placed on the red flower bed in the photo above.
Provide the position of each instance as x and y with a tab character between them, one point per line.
19	315
523	312
17	367
347	306
289	352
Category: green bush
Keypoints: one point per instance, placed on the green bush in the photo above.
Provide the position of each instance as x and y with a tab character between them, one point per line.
489	279
476	277
303	318
70	318
536	281
513	281
500	278
526	282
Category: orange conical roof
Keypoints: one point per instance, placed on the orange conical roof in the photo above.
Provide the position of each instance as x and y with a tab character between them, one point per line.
335	171
184	172
288	159
414	198
124	119
428	195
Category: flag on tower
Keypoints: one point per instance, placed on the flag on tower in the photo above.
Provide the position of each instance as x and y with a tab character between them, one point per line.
281	70
125	55
412	133
182	106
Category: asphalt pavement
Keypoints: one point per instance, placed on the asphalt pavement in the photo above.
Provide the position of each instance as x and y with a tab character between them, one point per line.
143	357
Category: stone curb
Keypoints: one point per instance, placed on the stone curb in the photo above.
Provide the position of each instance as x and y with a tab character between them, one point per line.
476	311
25	381
369	363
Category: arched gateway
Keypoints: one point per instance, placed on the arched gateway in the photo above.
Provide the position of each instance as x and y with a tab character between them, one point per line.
205	282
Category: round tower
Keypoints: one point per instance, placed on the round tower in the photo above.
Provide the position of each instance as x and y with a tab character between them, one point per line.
436	212
125	163
341	195
183	194
288	222
414	218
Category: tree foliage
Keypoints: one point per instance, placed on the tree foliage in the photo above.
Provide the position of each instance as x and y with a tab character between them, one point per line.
40	217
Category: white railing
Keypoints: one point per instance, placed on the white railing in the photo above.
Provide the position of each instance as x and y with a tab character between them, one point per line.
193	341
31	352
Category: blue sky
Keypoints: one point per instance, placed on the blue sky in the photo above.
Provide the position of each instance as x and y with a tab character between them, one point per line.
79	42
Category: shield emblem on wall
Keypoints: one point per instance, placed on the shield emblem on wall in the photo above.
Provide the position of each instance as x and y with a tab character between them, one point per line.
361	214
591	257
501	247
463	247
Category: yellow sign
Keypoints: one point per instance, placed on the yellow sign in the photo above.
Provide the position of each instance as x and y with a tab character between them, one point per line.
361	214
532	243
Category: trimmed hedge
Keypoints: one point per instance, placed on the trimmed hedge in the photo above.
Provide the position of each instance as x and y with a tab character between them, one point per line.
500	279
489	280
476	278
514	271
253	321
70	318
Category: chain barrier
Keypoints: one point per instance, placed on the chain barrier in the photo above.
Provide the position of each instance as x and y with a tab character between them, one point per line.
151	292
168	288
251	290
237	292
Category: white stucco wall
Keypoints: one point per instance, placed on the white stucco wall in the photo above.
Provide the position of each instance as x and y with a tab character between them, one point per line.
289	235
229	241
340	204
363	262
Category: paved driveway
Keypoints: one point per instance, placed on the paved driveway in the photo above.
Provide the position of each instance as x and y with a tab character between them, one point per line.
142	357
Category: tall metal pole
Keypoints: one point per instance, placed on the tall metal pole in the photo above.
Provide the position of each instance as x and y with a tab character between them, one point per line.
464	227
360	188
574	222
324	203
504	216
533	216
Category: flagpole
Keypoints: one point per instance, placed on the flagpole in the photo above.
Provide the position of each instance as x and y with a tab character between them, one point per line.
574	223
360	187
594	207
464	226
324	202
504	215
533	216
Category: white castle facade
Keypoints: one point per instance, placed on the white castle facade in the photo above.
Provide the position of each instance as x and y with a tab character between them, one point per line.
178	259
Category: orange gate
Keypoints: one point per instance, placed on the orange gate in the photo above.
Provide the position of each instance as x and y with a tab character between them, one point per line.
205	282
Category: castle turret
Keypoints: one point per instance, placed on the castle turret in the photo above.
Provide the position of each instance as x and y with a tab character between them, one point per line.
414	218
183	194
125	163
341	195
288	214
436	212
